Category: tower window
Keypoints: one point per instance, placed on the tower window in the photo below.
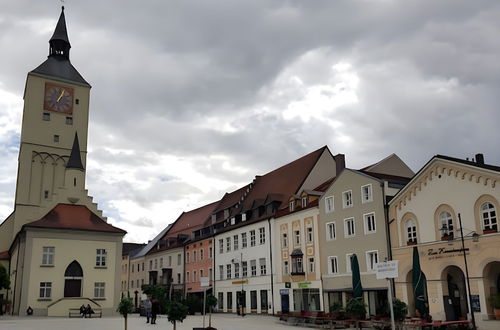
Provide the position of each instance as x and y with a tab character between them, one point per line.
46	194
74	182
77	101
56	138
46	116
69	120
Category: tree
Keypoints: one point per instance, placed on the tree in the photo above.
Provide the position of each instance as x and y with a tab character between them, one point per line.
176	311
125	307
157	292
211	302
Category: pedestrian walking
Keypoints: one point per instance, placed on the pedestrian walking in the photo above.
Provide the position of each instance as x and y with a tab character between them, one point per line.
155	310
147	308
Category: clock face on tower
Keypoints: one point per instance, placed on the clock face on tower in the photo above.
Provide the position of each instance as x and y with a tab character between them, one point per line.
58	98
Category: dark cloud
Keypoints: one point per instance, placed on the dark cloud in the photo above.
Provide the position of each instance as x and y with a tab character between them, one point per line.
215	87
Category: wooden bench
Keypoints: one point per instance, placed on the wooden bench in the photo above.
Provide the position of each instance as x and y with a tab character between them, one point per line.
75	312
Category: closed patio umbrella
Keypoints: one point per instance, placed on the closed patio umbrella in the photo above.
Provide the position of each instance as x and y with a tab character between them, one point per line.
357	289
418	282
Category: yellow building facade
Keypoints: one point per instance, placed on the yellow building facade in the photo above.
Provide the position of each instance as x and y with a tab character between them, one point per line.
427	213
61	251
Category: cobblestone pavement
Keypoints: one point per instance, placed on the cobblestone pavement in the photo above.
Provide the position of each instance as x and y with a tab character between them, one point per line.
219	321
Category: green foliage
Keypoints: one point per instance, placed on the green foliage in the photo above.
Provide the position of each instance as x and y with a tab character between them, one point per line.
157	292
356	308
400	310
176	311
125	307
4	278
495	301
211	301
336	308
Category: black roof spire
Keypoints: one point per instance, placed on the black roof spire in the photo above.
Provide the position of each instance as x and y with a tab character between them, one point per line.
59	43
75	160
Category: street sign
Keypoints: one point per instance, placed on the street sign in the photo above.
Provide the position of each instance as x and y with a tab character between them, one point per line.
288	284
387	269
204	281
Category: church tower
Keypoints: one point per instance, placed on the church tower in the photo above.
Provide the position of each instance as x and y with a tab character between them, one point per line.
53	148
58	249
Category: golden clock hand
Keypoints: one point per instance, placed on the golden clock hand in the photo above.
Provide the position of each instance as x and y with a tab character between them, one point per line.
60	96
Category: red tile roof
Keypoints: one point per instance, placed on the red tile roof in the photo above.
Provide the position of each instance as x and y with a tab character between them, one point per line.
68	216
284	181
230	199
4	255
191	220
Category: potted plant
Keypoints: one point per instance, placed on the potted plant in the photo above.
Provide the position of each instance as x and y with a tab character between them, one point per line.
495	303
176	312
337	311
211	302
356	309
125	307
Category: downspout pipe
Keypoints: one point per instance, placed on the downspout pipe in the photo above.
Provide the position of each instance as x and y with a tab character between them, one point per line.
271	261
388	233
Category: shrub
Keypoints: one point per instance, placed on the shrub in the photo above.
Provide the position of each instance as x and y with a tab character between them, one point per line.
356	308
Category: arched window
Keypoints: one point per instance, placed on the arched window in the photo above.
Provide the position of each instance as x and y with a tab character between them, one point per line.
411	232
446	222
488	217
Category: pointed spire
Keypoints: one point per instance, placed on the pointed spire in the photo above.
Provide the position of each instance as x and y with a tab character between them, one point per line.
59	43
75	160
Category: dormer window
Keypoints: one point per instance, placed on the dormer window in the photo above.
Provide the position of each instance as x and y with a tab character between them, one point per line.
292	206
226	213
243	217
304	201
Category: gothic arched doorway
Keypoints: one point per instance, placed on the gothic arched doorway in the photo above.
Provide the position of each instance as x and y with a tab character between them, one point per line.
454	293
73	280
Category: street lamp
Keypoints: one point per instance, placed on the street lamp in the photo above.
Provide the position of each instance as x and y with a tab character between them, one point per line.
475	238
242	313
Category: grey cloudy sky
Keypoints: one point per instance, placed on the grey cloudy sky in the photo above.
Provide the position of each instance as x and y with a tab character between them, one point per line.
194	98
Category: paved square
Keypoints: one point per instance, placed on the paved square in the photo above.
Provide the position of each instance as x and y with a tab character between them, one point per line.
219	321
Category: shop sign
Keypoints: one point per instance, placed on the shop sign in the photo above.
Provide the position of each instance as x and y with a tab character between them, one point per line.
476	305
303	284
288	285
387	269
439	253
204	281
284	292
240	282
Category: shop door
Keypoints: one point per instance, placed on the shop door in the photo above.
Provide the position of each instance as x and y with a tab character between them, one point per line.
285	303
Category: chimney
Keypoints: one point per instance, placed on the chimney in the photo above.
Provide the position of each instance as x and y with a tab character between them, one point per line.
480	159
339	163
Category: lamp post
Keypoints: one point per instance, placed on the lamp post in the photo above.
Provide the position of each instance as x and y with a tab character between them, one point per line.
242	313
469	301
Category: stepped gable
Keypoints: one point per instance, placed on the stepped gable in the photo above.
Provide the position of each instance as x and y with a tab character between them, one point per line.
284	181
77	217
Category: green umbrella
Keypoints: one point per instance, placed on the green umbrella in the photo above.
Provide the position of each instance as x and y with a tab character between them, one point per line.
418	281
357	289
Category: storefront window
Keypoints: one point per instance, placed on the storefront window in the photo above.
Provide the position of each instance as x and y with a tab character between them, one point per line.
263	300
306	300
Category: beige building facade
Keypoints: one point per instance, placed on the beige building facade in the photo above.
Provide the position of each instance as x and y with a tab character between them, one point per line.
296	255
426	214
352	220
